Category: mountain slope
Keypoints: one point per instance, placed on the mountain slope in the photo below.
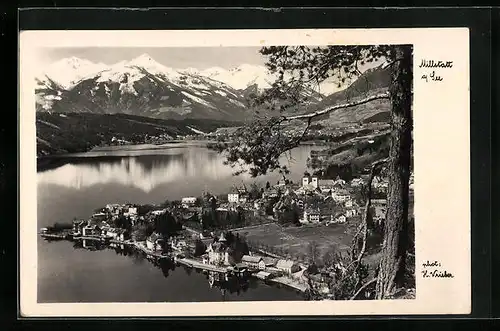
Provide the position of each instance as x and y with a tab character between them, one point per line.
79	132
242	76
69	71
146	88
372	81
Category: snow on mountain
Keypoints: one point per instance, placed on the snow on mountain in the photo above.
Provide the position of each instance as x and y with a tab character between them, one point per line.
69	71
247	75
145	87
242	76
145	61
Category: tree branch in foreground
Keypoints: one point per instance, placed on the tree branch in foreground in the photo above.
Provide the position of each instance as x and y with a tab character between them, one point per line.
379	96
259	144
363	287
364	224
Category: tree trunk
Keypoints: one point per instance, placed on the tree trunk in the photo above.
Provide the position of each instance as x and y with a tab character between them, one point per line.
395	245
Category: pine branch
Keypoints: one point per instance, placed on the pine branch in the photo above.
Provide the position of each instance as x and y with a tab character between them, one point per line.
373	280
379	96
364	224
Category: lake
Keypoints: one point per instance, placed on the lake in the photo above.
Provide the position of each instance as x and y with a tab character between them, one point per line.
81	183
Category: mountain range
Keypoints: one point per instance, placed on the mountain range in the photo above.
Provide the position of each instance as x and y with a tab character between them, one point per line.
81	104
145	87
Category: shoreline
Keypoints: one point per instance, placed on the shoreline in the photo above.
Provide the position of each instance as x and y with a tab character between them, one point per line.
189	262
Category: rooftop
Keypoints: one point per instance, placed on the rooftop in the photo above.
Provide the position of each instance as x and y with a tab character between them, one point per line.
285	264
326	182
251	259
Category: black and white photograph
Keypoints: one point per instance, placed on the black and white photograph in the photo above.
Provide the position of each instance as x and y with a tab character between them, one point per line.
276	173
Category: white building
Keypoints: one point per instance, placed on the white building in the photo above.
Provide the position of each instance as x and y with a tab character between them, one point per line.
254	262
313	181
188	201
233	195
340	195
158	212
287	266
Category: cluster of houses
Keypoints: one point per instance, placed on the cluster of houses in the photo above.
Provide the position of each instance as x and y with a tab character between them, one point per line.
94	228
100	224
336	199
113	211
319	201
217	254
157	242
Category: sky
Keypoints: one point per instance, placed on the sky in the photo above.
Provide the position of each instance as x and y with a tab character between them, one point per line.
173	57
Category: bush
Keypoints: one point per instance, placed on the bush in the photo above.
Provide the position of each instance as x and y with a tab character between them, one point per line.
200	248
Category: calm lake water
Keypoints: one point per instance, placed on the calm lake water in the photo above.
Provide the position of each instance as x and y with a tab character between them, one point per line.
136	174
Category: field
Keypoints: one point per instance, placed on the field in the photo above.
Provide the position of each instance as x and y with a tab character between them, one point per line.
295	240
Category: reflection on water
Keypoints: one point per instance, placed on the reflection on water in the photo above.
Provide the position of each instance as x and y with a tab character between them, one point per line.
147	172
90	273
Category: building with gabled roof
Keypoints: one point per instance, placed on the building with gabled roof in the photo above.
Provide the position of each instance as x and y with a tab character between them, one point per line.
155	241
287	266
254	262
233	195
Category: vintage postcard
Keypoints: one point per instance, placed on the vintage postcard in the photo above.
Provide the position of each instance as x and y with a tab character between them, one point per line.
245	172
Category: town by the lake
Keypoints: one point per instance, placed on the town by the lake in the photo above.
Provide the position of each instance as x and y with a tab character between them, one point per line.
283	234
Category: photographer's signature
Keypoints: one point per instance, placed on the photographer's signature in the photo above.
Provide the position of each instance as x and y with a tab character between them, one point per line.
432	269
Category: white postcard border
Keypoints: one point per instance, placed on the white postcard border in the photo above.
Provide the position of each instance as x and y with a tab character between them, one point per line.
442	169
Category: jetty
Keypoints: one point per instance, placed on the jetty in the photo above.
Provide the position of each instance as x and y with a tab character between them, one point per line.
192	263
54	236
146	250
290	282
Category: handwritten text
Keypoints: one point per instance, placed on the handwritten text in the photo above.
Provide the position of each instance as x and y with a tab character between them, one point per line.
432	269
435	64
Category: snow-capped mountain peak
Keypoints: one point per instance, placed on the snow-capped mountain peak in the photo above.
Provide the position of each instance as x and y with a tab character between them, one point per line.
69	71
242	76
144	60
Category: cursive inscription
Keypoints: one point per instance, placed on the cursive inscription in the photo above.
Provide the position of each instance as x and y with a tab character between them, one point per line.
432	269
436	274
435	64
432	77
432	66
428	264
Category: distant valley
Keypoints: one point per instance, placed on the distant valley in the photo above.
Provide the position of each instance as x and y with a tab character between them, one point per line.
81	104
61	133
147	88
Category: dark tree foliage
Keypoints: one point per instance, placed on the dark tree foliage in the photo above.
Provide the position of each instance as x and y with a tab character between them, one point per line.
142	210
258	146
200	248
215	219
166	224
238	246
123	222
